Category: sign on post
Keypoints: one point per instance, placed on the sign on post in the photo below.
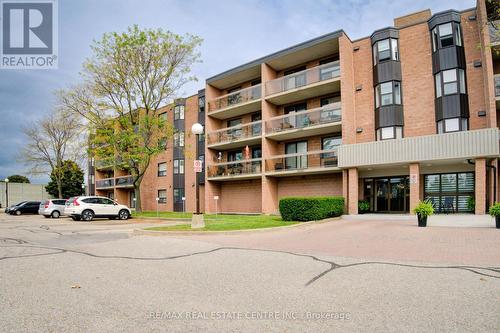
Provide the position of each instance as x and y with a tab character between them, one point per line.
198	166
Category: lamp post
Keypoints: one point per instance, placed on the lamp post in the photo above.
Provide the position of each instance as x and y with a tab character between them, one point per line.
6	192
197	220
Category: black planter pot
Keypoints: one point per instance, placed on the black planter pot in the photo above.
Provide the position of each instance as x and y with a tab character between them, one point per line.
497	221
422	220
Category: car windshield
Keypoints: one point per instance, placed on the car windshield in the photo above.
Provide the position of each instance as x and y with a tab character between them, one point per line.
19	204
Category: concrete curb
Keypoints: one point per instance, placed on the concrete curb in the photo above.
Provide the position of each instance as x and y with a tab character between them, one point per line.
143	232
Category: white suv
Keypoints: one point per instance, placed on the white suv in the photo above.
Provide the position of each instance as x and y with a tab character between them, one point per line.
86	208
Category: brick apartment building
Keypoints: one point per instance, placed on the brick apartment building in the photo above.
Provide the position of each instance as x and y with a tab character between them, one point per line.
406	114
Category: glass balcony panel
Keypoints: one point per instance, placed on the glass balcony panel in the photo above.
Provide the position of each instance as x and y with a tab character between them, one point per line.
238	97
103	183
303	78
238	132
235	168
302	161
124	181
296	120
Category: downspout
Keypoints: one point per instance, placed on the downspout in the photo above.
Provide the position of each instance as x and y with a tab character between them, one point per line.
494	178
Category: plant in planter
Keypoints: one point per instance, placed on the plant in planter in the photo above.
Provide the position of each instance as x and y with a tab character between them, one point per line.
495	212
423	210
471	204
363	206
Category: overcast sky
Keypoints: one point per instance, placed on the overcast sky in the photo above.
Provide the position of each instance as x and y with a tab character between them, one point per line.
234	32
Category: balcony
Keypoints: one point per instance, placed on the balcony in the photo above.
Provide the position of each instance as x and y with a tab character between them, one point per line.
235	136
494	27
104	183
236	103
104	164
313	162
497	86
319	121
125	181
305	84
454	147
236	170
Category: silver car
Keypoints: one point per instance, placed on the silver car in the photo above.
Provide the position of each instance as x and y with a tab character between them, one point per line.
52	208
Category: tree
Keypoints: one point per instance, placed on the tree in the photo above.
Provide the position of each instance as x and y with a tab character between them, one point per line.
51	140
129	77
18	179
71	177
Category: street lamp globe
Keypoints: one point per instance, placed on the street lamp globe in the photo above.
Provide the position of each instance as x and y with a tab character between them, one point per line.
197	128
6	180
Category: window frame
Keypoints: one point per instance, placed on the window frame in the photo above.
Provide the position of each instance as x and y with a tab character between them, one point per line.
463	125
162	173
179	195
179	111
397	133
178	166
396	94
179	139
393	50
161	199
461	82
456	34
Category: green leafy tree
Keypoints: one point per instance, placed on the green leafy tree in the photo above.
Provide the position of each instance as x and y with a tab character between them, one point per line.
71	180
129	77
18	179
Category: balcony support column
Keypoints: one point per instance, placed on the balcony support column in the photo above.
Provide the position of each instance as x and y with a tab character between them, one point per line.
480	186
414	185
345	189
353	190
270	204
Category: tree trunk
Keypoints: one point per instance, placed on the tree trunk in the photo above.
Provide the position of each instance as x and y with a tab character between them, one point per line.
59	187
137	190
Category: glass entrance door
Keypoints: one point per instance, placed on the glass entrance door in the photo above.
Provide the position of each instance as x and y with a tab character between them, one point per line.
382	195
387	195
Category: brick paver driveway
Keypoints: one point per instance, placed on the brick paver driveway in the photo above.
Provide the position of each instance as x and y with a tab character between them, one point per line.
377	240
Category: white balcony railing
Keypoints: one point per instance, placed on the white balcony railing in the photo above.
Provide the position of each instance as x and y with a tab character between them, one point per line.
303	78
238	97
234	133
330	113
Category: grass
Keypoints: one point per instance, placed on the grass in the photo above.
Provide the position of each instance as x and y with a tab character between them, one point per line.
231	222
164	215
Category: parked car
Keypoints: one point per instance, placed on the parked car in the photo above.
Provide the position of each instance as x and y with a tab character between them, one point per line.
52	208
29	207
9	209
87	208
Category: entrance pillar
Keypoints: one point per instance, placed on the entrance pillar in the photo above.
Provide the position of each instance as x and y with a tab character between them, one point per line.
414	185
345	189
480	186
353	191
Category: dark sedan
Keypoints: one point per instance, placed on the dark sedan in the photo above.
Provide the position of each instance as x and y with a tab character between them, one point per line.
28	207
9	209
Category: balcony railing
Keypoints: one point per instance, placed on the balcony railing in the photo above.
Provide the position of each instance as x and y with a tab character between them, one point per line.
124	181
238	97
330	113
303	161
104	164
104	183
303	78
497	85
235	168
238	132
494	27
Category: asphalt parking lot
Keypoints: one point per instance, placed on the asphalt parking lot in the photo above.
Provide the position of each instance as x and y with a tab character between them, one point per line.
65	276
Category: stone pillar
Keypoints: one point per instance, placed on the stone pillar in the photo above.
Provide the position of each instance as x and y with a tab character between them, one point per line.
414	185
480	186
353	192
345	189
270	204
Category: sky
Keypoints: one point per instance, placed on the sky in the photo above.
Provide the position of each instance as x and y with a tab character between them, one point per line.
234	32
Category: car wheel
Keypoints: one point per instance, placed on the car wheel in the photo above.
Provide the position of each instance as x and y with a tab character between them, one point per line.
123	215
87	215
55	214
18	212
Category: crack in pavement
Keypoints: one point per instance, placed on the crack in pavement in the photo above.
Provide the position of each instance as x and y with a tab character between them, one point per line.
333	265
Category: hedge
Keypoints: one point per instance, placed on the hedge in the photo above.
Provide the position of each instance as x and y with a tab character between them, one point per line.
310	208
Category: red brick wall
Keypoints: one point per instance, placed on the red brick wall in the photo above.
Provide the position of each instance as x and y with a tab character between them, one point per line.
240	197
308	186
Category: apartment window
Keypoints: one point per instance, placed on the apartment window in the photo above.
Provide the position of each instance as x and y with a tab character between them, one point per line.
386	49
178	195
179	139
163	117
329	100
162	169
201	104
235	132
162	196
256	128
388	133
236	155
452	125
445	35
179	112
449	82
299	149
178	167
388	93
162	143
